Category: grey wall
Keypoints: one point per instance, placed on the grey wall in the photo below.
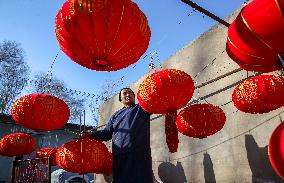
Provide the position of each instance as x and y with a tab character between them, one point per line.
238	153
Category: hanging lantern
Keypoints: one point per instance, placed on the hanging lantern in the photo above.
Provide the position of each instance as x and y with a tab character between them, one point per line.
83	155
108	165
46	153
200	120
17	144
276	150
259	94
103	35
40	112
250	43
164	92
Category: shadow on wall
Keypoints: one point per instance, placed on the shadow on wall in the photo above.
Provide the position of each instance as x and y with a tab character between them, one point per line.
259	163
209	175
169	173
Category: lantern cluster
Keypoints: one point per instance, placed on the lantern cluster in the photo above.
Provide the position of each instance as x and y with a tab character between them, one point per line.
83	155
164	92
255	38
47	153
102	35
40	112
276	150
259	94
200	120
17	144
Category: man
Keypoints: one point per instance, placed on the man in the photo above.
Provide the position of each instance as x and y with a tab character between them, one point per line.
129	129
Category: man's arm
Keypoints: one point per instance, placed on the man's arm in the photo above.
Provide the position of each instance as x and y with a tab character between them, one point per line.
103	135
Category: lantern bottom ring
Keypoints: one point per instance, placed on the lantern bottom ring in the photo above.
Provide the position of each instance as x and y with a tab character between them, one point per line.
102	63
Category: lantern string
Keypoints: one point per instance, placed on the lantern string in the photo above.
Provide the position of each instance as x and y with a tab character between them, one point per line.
49	75
227	140
151	63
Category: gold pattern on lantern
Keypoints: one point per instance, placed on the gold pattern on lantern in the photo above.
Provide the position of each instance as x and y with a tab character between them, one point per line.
247	91
146	88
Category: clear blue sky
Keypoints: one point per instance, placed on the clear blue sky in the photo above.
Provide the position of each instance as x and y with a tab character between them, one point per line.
31	23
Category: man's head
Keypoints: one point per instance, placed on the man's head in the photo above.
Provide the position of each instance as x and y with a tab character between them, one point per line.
126	96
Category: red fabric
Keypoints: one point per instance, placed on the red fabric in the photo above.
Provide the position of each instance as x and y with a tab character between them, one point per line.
108	165
171	132
200	120
251	43
40	112
103	35
47	153
165	91
17	144
276	150
265	18
83	155
259	94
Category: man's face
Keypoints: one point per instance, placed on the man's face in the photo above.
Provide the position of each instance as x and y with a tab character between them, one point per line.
127	97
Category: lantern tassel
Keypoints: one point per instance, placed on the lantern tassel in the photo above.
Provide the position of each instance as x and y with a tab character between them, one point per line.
171	131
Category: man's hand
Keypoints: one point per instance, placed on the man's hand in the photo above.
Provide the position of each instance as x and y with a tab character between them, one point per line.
88	133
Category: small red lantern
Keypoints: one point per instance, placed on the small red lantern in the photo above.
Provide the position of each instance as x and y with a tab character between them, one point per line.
164	92
40	112
46	153
200	120
259	94
17	144
102	35
83	155
250	43
276	150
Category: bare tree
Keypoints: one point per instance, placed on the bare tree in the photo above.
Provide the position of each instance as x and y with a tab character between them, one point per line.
56	87
14	73
106	92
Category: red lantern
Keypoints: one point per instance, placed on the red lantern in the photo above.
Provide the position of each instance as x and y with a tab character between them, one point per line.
108	165
83	155
276	150
200	120
259	94
17	144
164	92
46	153
250	43
103	35
40	112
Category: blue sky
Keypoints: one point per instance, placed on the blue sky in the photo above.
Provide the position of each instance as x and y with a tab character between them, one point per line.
31	23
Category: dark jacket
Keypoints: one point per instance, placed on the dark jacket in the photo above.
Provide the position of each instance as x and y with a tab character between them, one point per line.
129	129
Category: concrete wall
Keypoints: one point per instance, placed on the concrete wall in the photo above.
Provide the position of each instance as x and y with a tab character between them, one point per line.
50	139
238	153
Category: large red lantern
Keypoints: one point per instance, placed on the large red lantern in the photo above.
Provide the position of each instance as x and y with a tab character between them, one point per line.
164	92
276	150
200	120
259	94
17	144
47	153
103	35
40	112
251	43
83	155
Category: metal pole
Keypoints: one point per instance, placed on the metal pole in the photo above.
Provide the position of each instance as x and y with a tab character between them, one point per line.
206	12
